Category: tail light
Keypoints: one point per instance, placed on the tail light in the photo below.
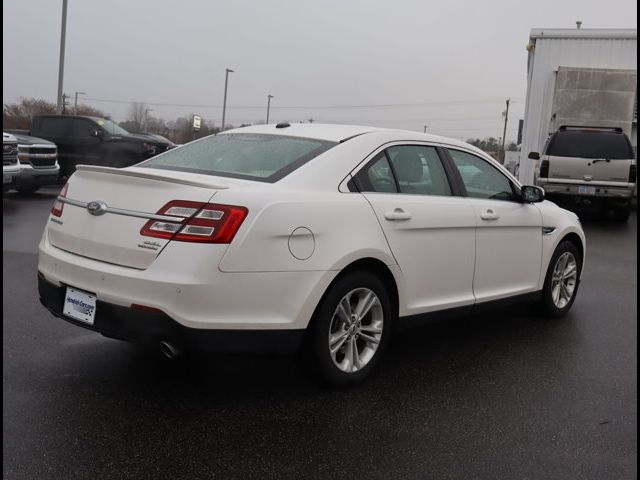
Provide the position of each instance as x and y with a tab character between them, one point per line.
544	169
58	206
632	173
196	222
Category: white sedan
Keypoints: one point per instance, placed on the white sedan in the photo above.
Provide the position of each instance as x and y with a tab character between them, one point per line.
319	237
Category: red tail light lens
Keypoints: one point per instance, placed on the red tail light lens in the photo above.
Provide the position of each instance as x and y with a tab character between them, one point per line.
196	222
632	174
58	206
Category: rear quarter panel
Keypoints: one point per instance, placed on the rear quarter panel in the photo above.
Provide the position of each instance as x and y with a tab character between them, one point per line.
334	228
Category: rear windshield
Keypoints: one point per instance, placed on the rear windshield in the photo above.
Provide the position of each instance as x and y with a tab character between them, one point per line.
261	157
590	144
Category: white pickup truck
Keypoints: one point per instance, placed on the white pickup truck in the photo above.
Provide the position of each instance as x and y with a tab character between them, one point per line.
10	165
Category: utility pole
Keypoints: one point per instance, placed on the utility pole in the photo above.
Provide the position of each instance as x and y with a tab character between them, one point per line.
64	103
224	105
146	117
504	134
269	97
425	128
75	103
63	35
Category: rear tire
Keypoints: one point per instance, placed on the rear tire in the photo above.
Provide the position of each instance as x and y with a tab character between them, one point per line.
562	280
344	345
621	214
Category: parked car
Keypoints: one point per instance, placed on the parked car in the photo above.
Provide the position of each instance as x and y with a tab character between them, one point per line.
10	166
590	166
93	141
38	163
311	236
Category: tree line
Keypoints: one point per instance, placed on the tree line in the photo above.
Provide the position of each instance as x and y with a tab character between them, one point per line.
18	115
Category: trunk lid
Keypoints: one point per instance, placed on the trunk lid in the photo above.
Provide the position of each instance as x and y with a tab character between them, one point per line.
136	193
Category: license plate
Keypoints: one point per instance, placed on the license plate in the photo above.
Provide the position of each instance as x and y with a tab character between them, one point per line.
80	305
587	190
6	179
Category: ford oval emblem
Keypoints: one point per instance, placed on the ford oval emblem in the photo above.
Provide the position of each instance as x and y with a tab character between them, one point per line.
96	208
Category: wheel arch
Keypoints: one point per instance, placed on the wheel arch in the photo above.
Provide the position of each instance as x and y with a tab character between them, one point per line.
375	266
577	241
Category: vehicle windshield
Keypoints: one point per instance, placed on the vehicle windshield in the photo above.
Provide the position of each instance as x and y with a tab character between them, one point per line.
111	127
262	157
590	144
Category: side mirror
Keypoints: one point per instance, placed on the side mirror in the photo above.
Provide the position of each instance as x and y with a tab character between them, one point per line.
534	156
532	194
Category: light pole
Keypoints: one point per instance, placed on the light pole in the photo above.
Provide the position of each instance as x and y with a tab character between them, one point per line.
425	128
504	133
224	105
269	97
75	103
63	34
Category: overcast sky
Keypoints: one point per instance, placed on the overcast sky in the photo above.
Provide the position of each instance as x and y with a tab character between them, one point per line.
400	64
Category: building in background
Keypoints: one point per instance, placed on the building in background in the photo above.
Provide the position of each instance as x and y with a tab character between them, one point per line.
578	77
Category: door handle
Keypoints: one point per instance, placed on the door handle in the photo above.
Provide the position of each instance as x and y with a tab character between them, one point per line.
489	214
397	214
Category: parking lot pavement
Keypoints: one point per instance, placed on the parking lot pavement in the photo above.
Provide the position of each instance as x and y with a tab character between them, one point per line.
499	395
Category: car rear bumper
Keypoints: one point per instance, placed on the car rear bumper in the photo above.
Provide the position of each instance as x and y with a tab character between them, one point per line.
573	190
153	327
193	292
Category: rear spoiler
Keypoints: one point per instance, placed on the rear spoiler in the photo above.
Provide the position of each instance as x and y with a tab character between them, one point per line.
162	176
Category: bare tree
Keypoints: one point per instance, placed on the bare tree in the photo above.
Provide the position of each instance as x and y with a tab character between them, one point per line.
90	111
18	115
137	117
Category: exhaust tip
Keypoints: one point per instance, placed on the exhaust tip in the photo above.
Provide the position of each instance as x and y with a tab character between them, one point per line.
169	350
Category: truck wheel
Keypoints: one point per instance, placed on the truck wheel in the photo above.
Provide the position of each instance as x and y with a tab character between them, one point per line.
28	189
621	214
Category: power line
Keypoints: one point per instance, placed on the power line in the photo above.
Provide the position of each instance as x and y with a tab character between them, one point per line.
313	107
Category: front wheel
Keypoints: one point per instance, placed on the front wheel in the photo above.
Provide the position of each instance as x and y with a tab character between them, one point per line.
562	280
350	329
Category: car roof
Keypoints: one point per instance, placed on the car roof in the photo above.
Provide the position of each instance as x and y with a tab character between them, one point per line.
88	117
340	133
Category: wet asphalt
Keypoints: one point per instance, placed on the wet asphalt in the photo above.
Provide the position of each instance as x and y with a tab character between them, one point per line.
501	395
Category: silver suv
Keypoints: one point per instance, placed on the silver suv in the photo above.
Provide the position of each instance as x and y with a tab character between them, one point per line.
589	165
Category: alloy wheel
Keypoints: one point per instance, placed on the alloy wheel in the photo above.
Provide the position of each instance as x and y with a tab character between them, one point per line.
355	330
563	283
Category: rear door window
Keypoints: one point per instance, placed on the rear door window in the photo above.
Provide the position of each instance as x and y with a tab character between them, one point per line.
55	126
377	176
419	170
83	128
590	144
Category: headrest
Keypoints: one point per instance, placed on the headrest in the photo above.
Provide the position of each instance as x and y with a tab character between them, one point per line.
408	166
